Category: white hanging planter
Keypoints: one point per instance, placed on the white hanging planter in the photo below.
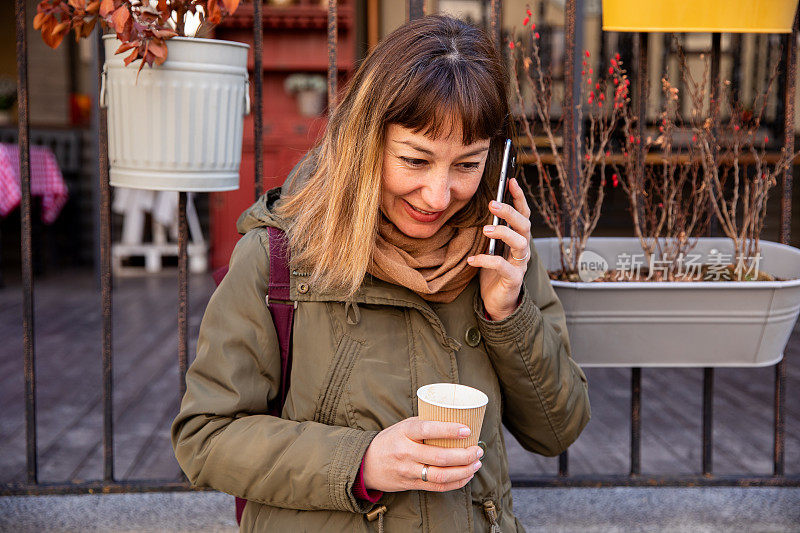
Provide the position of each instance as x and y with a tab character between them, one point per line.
179	127
679	324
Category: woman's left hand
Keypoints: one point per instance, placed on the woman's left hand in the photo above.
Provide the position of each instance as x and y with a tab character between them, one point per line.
501	278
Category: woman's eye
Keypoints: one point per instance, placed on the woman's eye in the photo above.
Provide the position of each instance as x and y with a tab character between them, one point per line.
470	166
410	161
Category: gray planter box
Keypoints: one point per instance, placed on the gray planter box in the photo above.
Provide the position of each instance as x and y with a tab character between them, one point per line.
679	324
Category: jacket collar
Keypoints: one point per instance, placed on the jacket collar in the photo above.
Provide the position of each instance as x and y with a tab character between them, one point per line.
374	291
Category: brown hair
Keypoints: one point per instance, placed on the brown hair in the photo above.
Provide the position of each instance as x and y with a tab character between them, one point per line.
420	76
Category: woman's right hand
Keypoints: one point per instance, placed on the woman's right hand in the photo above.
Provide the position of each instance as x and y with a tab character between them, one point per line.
395	457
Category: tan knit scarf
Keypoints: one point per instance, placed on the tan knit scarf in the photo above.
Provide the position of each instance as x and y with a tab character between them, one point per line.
436	268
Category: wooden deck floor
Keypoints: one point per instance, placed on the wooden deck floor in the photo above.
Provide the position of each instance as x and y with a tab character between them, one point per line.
68	317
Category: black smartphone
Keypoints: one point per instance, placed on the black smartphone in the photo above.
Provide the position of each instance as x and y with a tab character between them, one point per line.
509	161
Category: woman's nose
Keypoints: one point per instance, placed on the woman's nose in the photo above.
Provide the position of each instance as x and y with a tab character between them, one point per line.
436	193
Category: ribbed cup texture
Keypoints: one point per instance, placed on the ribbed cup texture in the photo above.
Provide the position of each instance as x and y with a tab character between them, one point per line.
472	418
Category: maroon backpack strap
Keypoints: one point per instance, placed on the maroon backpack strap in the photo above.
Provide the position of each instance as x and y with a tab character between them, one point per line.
281	308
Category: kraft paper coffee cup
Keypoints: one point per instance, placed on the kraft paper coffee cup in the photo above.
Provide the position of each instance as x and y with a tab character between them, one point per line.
452	402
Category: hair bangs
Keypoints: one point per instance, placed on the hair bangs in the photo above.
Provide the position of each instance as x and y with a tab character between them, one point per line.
433	101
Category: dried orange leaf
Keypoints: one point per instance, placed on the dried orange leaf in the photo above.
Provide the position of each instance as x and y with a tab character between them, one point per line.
119	18
159	50
38	20
50	37
61	27
93	7
106	8
87	28
131	58
78	4
124	47
214	13
231	5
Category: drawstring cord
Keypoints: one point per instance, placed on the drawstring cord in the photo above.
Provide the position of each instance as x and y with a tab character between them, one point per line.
378	513
491	513
356	312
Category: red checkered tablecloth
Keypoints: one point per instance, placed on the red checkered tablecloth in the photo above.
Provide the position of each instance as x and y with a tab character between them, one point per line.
46	181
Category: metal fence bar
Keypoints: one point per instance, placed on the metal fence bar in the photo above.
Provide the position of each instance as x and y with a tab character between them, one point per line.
333	36
258	99
572	128
708	372
640	108
183	292
614	480
28	348
622	480
778	468
708	421
416	9
496	22
106	282
636	422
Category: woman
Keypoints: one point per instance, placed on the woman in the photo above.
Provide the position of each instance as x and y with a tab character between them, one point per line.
394	291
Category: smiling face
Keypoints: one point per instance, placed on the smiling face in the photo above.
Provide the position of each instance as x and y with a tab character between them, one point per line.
425	182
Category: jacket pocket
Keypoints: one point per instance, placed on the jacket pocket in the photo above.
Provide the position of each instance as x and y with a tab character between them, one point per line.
336	378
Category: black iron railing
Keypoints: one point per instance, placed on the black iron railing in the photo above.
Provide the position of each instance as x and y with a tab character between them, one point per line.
415	8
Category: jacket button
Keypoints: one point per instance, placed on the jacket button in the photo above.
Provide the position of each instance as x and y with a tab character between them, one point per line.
473	336
302	288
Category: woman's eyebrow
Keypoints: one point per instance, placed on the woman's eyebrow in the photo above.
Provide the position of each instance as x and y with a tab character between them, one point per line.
416	147
426	151
476	152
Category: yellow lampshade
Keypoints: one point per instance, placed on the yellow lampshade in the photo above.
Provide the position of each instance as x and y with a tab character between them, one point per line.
738	16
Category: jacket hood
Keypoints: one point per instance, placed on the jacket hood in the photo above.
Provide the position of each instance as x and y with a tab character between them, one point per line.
262	212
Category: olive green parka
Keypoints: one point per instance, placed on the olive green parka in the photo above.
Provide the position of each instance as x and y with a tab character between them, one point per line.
356	367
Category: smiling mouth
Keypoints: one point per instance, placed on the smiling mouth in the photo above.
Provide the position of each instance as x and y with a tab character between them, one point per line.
421	211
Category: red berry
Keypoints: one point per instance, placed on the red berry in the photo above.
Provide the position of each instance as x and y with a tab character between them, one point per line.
611	70
511	45
528	11
602	96
597	86
616	57
694	138
525	21
766	139
536	34
533	27
587	53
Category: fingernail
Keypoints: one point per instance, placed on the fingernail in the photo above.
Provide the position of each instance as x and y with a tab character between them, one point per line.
470	259
488	229
480	453
463	432
476	465
494	203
